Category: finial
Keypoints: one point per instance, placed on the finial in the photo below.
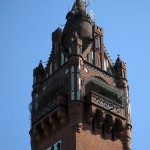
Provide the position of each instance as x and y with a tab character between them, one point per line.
118	60
40	66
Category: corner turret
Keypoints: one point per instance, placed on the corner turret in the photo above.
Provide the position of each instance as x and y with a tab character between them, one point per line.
38	74
120	68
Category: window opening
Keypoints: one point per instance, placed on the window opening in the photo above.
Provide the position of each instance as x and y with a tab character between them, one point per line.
55	66
78	51
91	57
103	130
99	42
105	64
52	148
70	50
58	146
113	133
78	82
50	70
93	125
62	58
72	83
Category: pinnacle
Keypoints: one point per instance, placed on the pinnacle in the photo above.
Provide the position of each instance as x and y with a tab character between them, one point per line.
40	66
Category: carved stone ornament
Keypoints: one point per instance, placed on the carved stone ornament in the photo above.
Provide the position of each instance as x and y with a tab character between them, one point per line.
45	110
109	104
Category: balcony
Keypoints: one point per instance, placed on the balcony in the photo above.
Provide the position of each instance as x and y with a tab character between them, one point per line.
105	103
53	104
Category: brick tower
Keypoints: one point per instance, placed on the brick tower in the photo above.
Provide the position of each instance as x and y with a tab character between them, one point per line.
80	99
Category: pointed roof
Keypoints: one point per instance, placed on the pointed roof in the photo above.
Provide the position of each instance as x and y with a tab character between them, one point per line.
40	66
118	61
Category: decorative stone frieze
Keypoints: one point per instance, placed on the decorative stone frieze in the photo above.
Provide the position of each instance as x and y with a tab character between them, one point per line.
107	104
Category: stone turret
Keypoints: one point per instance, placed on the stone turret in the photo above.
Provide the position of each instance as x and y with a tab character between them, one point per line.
38	75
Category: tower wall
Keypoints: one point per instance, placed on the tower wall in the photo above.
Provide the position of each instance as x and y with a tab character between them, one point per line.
64	135
87	140
80	100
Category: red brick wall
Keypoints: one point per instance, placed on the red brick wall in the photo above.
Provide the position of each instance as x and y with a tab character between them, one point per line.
86	140
65	135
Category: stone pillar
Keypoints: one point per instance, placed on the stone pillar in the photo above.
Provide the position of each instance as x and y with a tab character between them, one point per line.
76	115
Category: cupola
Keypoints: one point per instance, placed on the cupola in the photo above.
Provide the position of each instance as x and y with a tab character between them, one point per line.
78	20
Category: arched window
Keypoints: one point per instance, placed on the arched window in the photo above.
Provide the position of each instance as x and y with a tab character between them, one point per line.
98	42
103	130
55	66
62	58
78	83
58	146
93	124
129	110
105	64
70	50
66	59
50	69
113	133
78	51
91	57
52	148
72	83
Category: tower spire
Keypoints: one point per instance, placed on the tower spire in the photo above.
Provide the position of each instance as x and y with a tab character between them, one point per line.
77	20
79	5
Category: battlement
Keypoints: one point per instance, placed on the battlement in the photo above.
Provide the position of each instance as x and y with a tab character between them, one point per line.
98	30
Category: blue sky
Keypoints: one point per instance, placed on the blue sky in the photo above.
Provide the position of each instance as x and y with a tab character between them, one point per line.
25	38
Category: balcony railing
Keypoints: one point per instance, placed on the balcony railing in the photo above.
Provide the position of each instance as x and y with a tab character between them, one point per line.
107	104
60	100
45	110
100	71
